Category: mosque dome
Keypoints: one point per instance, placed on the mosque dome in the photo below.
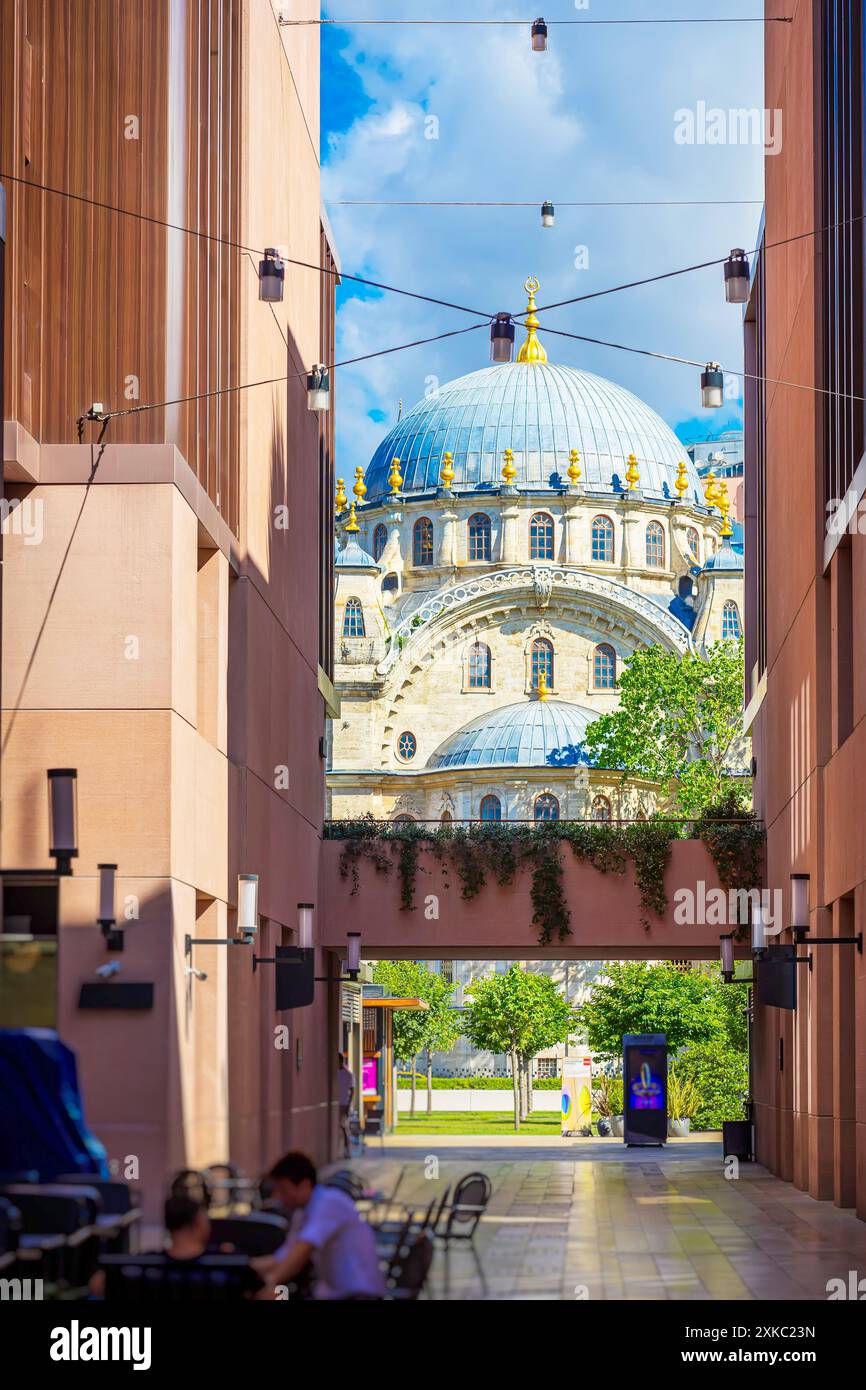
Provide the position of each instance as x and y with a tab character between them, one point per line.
533	733
354	556
540	411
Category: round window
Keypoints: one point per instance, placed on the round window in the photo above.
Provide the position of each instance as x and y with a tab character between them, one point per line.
407	746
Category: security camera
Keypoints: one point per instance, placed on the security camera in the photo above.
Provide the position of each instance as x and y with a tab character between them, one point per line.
193	970
111	967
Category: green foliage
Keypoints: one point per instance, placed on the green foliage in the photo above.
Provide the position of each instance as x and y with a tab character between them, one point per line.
438	1027
684	1100
638	997
735	839
520	1011
678	722
720	1077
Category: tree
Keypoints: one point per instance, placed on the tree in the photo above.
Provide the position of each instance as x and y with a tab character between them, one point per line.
518	1013
434	1029
637	997
679	722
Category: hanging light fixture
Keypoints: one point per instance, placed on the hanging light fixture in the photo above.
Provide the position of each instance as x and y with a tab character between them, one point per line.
712	386
319	388
305	926
726	944
353	954
248	906
502	338
548	213
272	276
63	816
539	36
737	277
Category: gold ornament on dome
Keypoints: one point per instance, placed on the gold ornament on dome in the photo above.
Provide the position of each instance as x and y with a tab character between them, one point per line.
352	524
541	689
632	473
724	506
360	488
340	497
574	467
681	482
447	471
509	472
395	480
531	350
710	490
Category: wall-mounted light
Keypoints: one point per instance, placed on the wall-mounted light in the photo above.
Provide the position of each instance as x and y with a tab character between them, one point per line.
737	277
318	388
272	276
305	926
726	946
501	338
539	36
759	928
107	918
799	903
63	816
548	213
712	386
248	906
353	954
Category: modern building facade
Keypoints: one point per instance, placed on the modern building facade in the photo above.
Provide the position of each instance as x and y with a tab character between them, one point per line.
806	593
153	633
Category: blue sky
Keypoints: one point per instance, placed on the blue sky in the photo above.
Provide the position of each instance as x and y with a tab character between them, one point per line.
591	119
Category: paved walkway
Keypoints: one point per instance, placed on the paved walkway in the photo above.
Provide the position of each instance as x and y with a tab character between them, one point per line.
592	1219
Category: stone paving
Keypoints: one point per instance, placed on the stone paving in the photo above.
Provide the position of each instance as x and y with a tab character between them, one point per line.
595	1220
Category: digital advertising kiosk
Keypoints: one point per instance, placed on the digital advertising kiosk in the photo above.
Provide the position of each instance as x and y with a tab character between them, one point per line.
645	1088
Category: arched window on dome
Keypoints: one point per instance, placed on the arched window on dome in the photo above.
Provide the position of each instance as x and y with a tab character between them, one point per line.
546	807
491	807
422	541
479	536
655	545
693	541
602	540
600	808
353	619
541	536
380	540
542	660
731	620
479	666
604	667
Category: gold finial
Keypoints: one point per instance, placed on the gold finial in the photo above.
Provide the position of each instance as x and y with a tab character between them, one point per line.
541	688
724	506
632	473
509	472
710	491
681	482
574	466
360	488
352	524
446	473
531	350
395	481
340	496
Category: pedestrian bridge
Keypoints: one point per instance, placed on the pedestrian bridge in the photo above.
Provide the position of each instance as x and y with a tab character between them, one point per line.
607	918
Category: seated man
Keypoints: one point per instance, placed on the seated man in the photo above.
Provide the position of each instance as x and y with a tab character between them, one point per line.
326	1231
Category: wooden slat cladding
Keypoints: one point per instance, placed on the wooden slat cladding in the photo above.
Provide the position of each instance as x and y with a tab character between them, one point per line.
135	105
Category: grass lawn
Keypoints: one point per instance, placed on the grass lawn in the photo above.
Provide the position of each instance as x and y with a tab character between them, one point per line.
477	1122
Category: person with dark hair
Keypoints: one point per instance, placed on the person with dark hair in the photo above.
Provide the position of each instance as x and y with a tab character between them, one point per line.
326	1232
188	1226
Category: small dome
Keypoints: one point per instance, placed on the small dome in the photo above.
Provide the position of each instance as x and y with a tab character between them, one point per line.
540	411
354	556
725	558
534	733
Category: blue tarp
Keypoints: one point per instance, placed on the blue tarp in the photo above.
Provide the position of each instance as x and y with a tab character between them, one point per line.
42	1125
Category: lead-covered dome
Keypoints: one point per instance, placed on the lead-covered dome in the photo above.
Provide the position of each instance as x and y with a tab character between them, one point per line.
534	733
540	411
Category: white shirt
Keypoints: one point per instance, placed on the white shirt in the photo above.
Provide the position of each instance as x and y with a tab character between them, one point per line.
345	1087
344	1247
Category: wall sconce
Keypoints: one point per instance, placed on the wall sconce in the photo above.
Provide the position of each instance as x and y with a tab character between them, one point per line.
726	945
63	816
107	918
353	954
800	920
305	926
247	923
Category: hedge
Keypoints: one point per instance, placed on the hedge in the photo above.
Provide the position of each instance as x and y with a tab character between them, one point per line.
477	1083
721	1077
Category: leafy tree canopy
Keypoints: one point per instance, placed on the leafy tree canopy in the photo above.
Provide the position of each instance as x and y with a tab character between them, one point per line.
678	722
520	1011
638	997
438	1027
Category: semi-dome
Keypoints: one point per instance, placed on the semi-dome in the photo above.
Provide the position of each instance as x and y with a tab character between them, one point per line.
533	733
540	411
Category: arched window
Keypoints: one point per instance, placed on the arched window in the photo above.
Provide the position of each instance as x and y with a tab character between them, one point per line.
604	667
353	618
407	746
541	536
542	660
600	808
389	584
479	666
655	545
546	807
602	540
491	808
693	541
731	620
446	818
422	541
404	820
479	536
380	540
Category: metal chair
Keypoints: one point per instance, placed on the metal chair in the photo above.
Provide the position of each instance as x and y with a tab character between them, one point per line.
347	1182
119	1212
258	1233
410	1275
157	1279
460	1220
60	1238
